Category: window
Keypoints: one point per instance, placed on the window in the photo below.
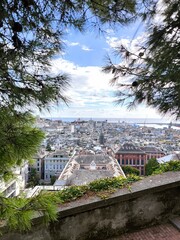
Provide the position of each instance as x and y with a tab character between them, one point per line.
38	169
138	162
142	162
122	161
127	161
134	162
130	161
142	171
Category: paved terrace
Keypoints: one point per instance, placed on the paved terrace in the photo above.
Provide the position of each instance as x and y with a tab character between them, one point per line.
159	232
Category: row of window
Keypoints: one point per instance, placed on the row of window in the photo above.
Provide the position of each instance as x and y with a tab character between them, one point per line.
139	155
131	162
61	156
54	167
56	161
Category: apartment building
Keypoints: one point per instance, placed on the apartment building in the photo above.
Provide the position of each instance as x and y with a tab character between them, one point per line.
130	155
54	163
137	157
14	186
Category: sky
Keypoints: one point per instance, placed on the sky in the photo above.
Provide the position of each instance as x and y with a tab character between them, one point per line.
91	94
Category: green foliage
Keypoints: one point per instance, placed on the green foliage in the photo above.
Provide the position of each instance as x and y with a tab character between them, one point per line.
31	33
169	166
112	183
19	139
33	178
71	193
130	170
151	166
53	179
7	175
14	213
48	148
18	212
153	68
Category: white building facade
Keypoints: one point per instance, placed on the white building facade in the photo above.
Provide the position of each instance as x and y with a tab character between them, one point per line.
14	186
54	163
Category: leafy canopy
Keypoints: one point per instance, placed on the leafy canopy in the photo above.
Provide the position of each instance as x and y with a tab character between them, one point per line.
31	34
19	139
153	69
151	166
130	170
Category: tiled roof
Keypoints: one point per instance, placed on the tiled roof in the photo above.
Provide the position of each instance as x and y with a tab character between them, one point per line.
80	177
130	148
97	158
151	150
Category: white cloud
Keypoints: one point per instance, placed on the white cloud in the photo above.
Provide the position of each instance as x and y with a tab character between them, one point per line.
72	44
160	7
91	95
88	84
85	48
131	44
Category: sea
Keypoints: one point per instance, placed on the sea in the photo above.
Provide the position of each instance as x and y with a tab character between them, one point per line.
149	122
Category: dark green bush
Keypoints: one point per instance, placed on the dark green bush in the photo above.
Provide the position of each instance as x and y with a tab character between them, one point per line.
151	166
130	170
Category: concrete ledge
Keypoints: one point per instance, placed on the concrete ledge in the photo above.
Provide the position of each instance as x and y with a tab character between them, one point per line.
151	184
151	201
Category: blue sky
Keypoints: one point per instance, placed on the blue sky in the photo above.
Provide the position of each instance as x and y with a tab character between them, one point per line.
90	91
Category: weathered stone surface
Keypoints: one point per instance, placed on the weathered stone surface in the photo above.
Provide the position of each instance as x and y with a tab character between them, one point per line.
151	201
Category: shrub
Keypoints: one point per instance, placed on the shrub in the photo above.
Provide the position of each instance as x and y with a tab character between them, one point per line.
151	166
130	170
169	166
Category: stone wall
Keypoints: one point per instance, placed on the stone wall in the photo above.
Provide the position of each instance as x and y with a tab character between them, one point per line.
150	201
